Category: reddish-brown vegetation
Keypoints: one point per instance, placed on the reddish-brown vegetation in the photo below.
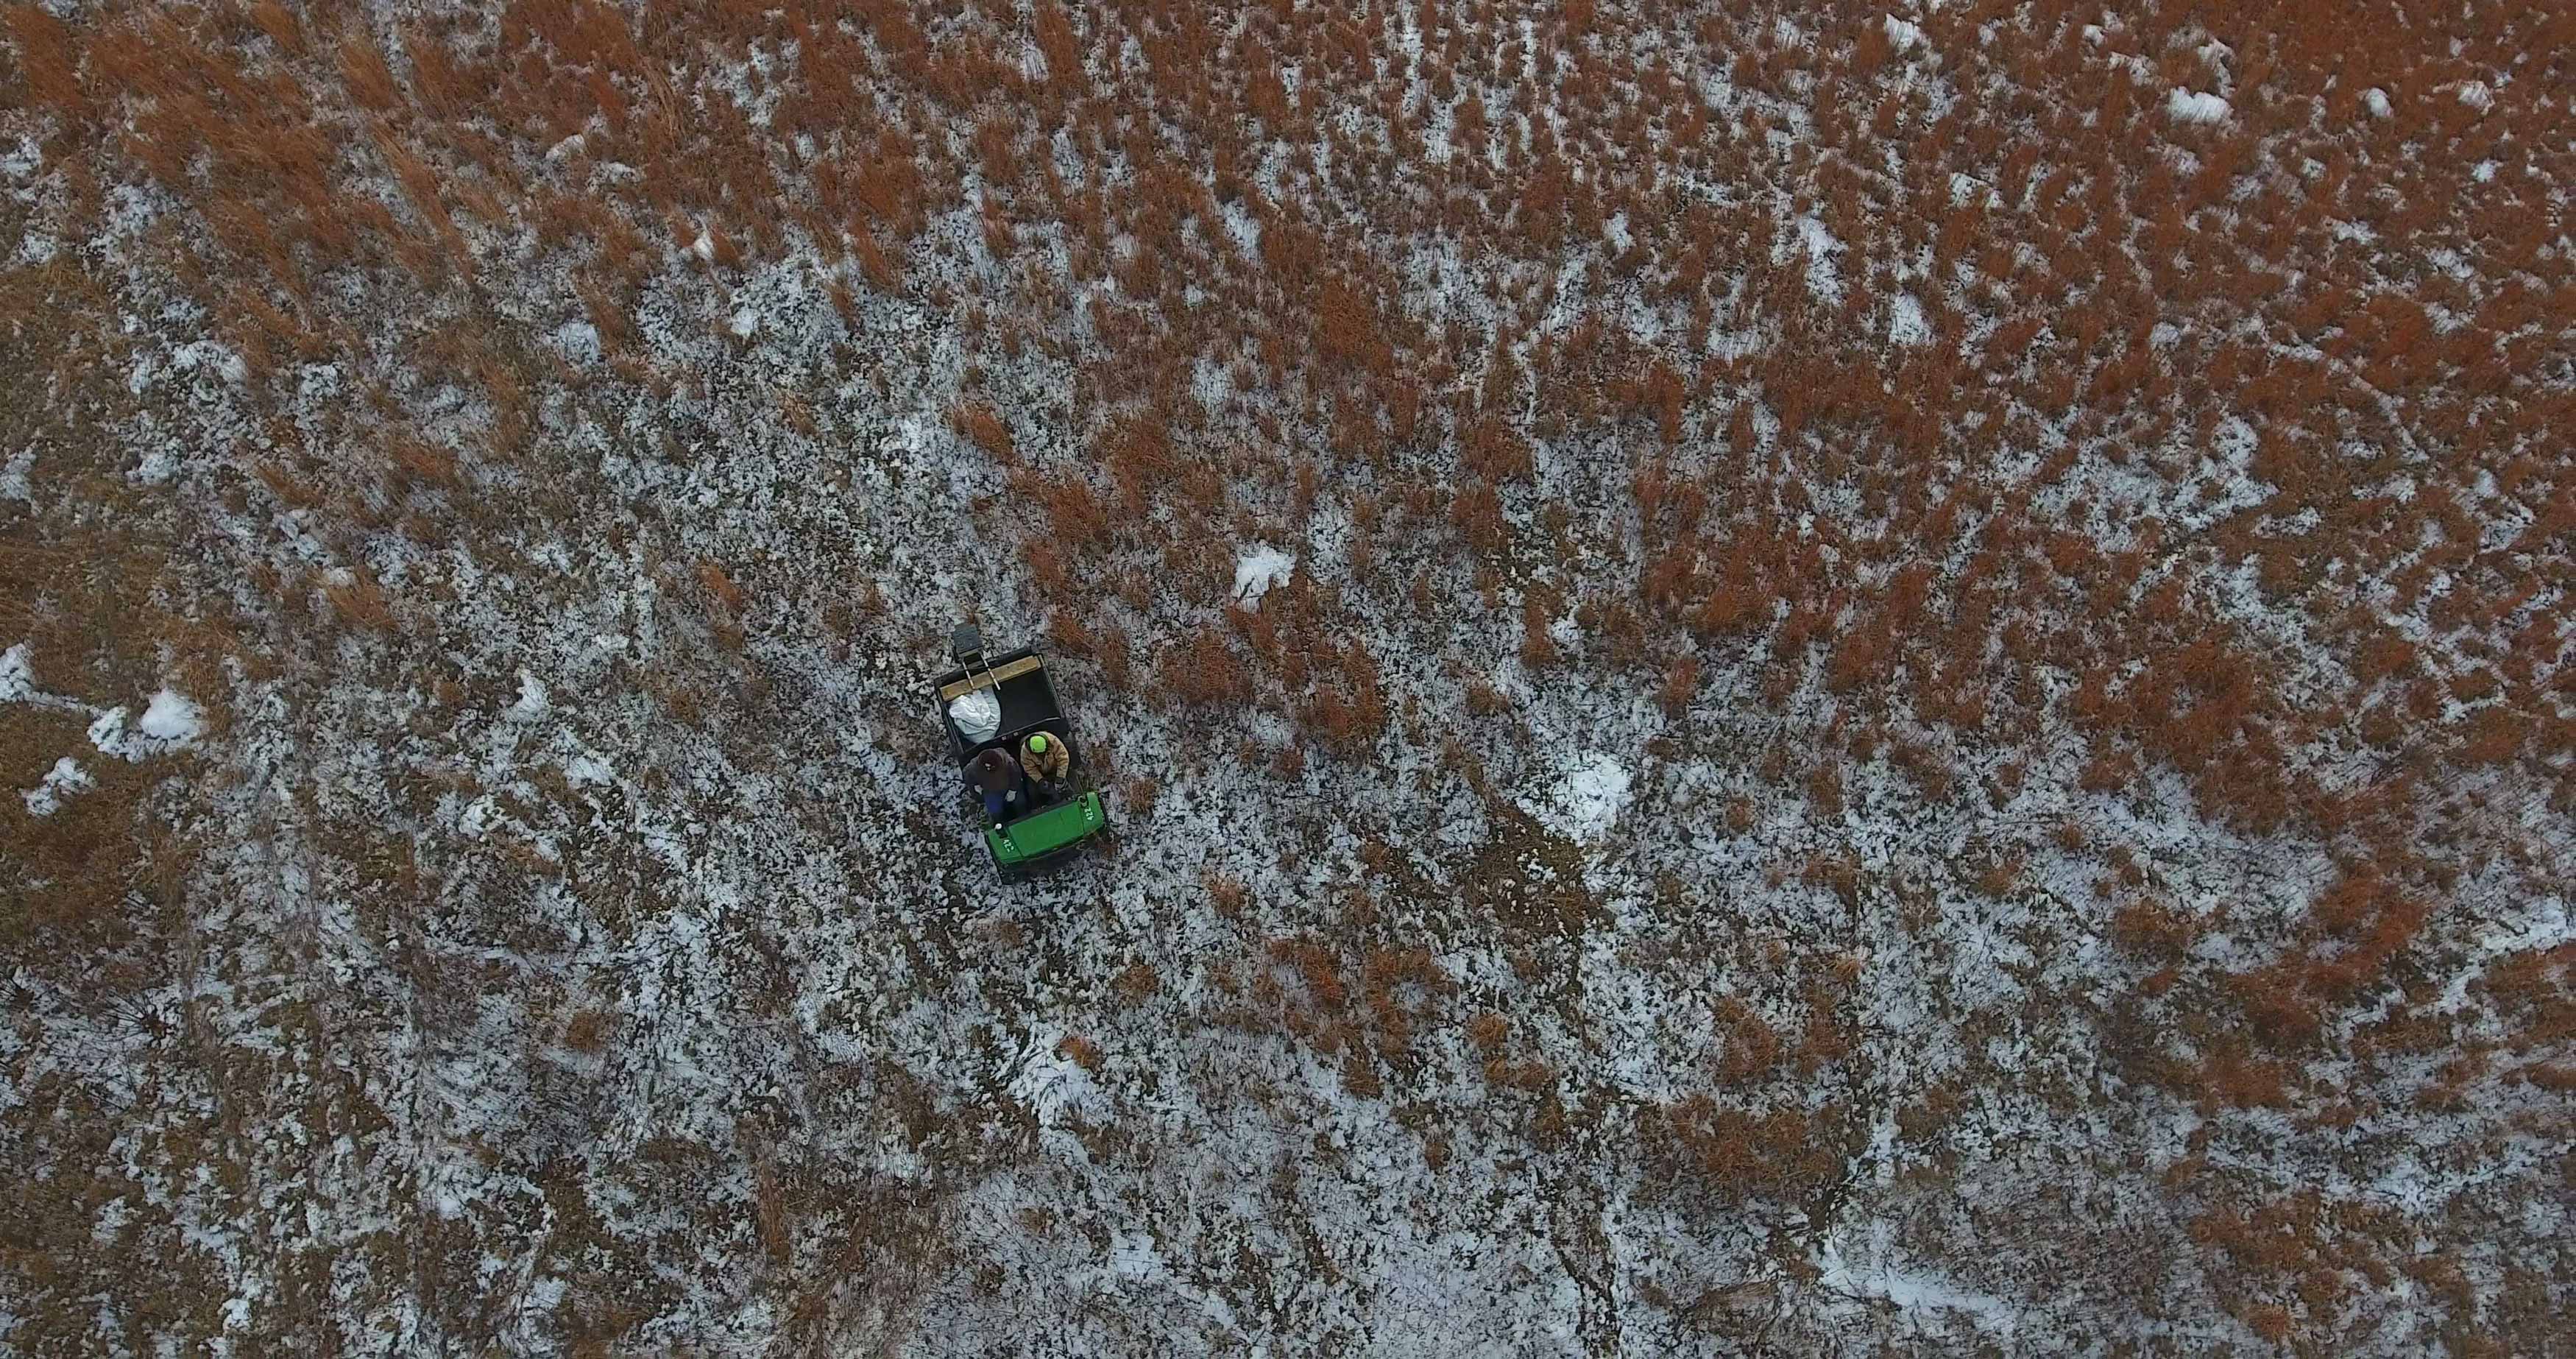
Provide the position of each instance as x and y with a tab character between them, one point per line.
2025	526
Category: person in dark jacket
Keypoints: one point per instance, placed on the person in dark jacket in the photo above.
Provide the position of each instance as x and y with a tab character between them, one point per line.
997	777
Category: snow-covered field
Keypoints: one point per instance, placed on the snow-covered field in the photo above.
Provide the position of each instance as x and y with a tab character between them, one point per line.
1772	679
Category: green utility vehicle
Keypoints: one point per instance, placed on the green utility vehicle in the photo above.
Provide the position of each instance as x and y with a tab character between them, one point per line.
997	703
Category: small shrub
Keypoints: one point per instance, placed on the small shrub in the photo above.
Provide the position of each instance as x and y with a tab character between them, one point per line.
415	462
1077	517
1825	789
1752	1046
2238	1081
883	273
1314	966
1492	452
2154	929
1205	670
984	428
44	57
721	589
1477	514
1825	1040
1538	646
2277	1007
1359	1074
281	26
365	75
1838	872
360	601
2108	771
1137	982
1681	685
1063	51
588	1032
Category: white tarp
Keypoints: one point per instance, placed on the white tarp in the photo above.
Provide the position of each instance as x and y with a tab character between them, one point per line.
978	715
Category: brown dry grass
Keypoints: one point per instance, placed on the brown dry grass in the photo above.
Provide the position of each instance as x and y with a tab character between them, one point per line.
1944	604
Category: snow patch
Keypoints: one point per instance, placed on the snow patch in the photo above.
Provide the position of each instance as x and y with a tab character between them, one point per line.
1902	36
1905	323
1259	569
1965	186
63	780
1877	1275
1586	800
1823	280
579	341
1243	228
208	354
17	675
1132	1257
172	717
157	467
2547	926
533	704
2476	95
2376	100
1055	1090
14	478
2186	106
169	722
24	160
1565	632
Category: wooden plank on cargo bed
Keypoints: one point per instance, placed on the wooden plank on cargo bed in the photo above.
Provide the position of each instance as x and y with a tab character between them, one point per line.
950	693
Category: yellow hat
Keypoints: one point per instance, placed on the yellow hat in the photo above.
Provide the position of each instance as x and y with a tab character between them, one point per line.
1038	743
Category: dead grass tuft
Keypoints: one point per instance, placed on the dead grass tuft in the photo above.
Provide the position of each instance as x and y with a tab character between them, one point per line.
366	76
588	1032
44	56
982	426
360	602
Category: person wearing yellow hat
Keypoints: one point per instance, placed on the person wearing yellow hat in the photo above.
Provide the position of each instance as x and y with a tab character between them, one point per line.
1046	761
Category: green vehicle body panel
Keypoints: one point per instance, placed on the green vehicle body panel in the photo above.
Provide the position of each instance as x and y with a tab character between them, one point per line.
1042	833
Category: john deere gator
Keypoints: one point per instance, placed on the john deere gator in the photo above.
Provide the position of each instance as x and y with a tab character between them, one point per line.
1005	703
